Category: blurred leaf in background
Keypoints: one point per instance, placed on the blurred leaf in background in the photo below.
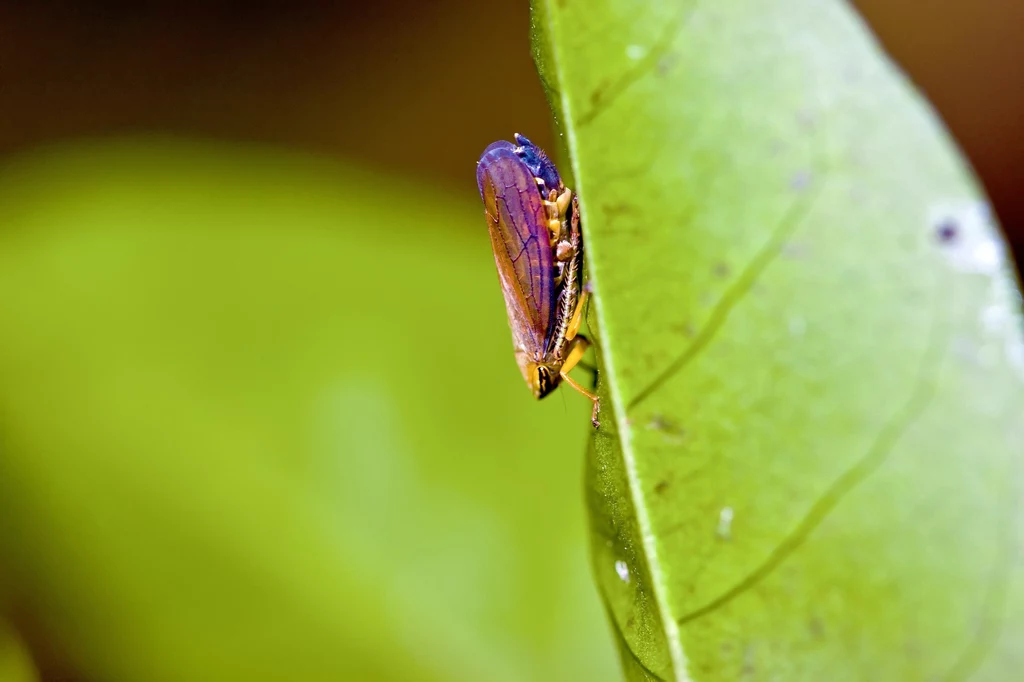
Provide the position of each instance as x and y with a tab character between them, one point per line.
810	460
260	420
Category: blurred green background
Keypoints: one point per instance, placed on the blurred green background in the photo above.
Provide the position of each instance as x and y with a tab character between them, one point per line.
259	417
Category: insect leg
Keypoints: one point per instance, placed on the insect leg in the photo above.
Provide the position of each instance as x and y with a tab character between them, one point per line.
576	350
562	202
577	316
557	205
574	326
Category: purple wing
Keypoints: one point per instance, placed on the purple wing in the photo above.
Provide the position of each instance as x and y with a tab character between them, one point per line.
517	220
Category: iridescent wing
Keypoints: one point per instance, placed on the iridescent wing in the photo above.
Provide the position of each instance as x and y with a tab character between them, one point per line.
517	220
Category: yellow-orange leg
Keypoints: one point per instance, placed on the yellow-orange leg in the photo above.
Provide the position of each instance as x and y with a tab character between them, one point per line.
576	350
577	315
562	202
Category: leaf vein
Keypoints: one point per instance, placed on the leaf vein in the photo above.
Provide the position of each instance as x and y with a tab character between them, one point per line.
739	289
670	632
921	396
603	98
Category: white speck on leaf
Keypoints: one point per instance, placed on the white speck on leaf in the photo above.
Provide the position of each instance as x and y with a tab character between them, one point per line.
636	52
725	523
622	570
967	236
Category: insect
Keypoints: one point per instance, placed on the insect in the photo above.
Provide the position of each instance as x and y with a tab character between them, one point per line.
534	223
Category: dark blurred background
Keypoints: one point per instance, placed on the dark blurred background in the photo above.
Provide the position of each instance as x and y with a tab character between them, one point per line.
436	81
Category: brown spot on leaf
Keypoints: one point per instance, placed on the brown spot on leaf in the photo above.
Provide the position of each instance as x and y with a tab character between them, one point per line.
687	329
598	93
816	628
667	63
672	432
616	209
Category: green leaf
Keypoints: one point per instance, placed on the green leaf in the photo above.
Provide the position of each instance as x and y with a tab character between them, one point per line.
260	420
810	461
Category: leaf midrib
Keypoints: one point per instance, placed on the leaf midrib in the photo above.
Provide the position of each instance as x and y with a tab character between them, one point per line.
647	539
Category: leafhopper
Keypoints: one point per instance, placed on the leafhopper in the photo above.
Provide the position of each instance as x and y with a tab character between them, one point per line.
534	223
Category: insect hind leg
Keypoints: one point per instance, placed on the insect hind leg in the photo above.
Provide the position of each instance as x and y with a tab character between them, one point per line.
576	350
